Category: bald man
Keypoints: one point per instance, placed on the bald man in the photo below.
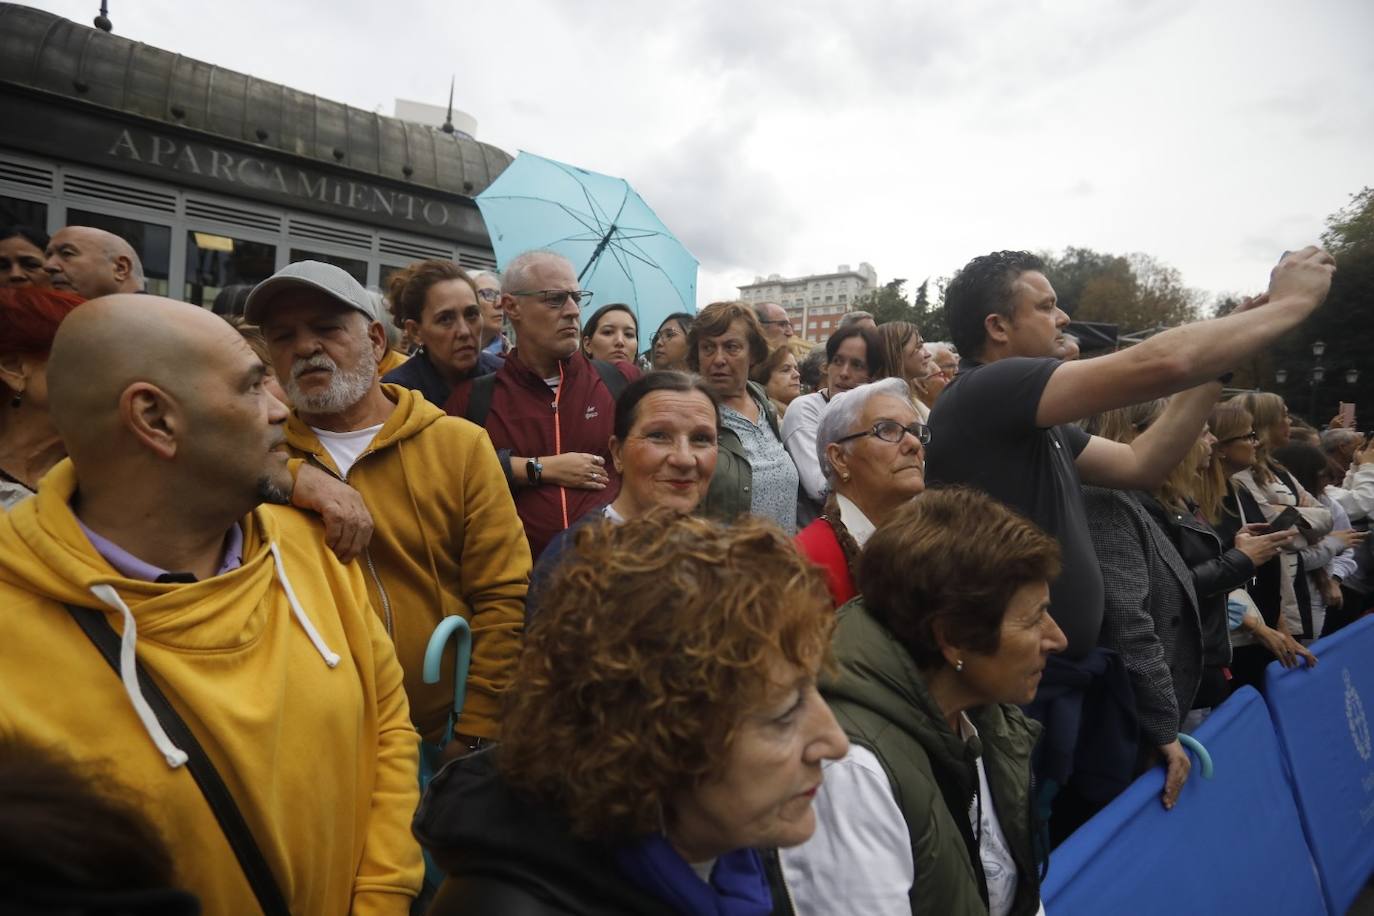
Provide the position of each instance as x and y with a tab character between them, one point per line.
156	528
92	262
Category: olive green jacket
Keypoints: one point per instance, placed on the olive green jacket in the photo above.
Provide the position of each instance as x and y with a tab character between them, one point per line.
731	485
881	702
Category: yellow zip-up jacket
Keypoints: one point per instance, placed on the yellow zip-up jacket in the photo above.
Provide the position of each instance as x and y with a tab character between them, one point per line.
447	540
321	760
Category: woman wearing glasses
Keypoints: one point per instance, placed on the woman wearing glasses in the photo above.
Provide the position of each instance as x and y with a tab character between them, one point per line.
871	449
1258	634
669	349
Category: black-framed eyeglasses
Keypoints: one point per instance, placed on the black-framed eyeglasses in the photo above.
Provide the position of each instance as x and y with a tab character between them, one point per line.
1252	436
489	294
554	298
775	321
892	431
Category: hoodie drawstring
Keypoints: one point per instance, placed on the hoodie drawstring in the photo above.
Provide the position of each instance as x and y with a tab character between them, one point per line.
331	658
128	660
128	673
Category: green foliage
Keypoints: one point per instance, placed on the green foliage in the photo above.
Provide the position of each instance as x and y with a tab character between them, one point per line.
1345	322
889	303
1135	292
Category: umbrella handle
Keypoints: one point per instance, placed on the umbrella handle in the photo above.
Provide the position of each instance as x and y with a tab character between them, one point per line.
1196	747
434	655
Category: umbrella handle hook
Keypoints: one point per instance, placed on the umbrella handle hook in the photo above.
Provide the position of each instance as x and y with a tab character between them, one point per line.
434	655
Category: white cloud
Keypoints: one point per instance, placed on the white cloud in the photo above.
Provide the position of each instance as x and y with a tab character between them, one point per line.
793	137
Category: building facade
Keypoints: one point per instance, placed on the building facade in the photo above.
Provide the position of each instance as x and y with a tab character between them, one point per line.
815	303
218	179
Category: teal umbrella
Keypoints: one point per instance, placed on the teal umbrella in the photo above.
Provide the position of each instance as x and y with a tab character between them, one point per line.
619	247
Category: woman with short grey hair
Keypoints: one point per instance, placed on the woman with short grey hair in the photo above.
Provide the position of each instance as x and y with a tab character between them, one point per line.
871	447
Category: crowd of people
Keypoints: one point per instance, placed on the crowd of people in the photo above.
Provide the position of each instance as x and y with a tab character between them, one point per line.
756	627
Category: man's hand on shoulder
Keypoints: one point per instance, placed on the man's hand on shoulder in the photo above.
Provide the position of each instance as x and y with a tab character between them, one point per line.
347	523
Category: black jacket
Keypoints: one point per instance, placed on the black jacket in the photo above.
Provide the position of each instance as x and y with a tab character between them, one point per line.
506	855
1216	571
418	373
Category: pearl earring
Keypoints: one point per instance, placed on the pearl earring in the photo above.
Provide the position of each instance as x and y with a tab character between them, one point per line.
959	665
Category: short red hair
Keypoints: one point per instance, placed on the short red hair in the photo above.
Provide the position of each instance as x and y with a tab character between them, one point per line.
30	315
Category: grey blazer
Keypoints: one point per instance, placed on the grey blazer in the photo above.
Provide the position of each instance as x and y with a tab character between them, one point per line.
1150	615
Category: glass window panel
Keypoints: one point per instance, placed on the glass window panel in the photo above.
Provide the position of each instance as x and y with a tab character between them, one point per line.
152	242
27	213
356	269
221	270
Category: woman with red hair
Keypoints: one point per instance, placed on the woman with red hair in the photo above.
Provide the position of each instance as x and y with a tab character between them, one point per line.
29	445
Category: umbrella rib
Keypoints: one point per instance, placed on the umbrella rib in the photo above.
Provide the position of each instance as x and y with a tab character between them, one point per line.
575	214
591	204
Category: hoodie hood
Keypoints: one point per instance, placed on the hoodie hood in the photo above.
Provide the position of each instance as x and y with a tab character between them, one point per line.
413	414
43	551
477	828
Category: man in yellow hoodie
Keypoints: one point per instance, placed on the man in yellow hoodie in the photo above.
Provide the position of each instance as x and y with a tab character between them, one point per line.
262	641
446	537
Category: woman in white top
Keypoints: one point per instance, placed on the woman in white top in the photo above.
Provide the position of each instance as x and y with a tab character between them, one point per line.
853	357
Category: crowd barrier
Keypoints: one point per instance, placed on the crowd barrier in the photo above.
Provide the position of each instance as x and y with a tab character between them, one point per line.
1323	728
1232	844
1286	824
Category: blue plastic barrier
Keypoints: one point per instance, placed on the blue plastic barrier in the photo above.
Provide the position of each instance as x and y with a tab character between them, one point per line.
1232	844
1321	718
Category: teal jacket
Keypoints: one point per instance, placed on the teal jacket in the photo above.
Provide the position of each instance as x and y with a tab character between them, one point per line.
882	703
731	485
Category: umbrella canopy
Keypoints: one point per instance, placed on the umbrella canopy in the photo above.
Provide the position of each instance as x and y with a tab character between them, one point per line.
619	248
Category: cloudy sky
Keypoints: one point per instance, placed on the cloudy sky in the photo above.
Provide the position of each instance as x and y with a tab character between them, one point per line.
792	137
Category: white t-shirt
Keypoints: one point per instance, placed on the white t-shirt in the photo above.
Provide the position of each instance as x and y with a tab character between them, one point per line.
799	427
859	859
345	448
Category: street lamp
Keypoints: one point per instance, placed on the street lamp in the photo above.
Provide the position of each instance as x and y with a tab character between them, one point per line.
1316	375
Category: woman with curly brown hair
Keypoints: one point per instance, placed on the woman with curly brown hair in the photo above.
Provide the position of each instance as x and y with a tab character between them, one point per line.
435	302
663	738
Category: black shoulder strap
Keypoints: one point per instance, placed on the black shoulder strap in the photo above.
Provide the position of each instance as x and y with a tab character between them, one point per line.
610	375
255	867
479	399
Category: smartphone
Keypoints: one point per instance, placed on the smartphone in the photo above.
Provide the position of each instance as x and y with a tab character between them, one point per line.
1347	413
1286	519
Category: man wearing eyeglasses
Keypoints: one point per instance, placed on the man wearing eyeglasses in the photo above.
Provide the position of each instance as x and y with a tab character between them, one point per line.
777	327
550	407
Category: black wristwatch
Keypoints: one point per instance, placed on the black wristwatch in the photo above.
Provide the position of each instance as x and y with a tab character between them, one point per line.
534	470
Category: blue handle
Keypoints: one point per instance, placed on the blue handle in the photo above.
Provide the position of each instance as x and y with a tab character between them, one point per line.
1196	747
434	655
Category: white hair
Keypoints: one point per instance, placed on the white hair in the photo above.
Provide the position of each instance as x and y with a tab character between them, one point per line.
492	275
845	409
935	349
515	278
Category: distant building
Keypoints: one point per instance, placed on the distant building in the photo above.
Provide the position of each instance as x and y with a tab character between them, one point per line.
815	303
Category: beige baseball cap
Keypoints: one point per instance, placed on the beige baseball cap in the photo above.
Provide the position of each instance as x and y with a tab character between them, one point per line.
334	282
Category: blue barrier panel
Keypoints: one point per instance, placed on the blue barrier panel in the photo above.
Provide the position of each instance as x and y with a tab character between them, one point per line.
1232	844
1322	724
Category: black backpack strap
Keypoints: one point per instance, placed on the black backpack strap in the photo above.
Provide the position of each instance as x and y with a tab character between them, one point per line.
610	375
479	399
217	795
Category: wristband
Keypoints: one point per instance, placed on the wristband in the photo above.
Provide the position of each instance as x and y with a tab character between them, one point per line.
534	470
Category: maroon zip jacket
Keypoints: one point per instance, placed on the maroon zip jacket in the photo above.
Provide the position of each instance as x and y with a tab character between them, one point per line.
523	419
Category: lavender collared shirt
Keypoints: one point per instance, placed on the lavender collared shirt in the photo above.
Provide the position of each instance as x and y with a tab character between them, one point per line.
131	567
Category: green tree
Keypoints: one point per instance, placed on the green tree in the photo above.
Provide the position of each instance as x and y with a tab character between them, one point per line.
1345	323
887	303
1135	292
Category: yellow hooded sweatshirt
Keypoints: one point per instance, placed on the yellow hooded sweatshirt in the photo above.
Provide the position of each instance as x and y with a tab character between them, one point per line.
447	540
321	759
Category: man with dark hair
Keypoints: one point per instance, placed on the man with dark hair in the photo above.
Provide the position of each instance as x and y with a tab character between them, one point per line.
1004	425
777	327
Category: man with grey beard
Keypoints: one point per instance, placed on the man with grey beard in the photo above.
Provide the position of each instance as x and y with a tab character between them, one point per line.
446	537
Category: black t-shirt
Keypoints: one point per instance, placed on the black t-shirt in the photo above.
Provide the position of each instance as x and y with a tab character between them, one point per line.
983	435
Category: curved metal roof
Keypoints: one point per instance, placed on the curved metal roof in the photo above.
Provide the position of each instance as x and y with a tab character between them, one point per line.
48	53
